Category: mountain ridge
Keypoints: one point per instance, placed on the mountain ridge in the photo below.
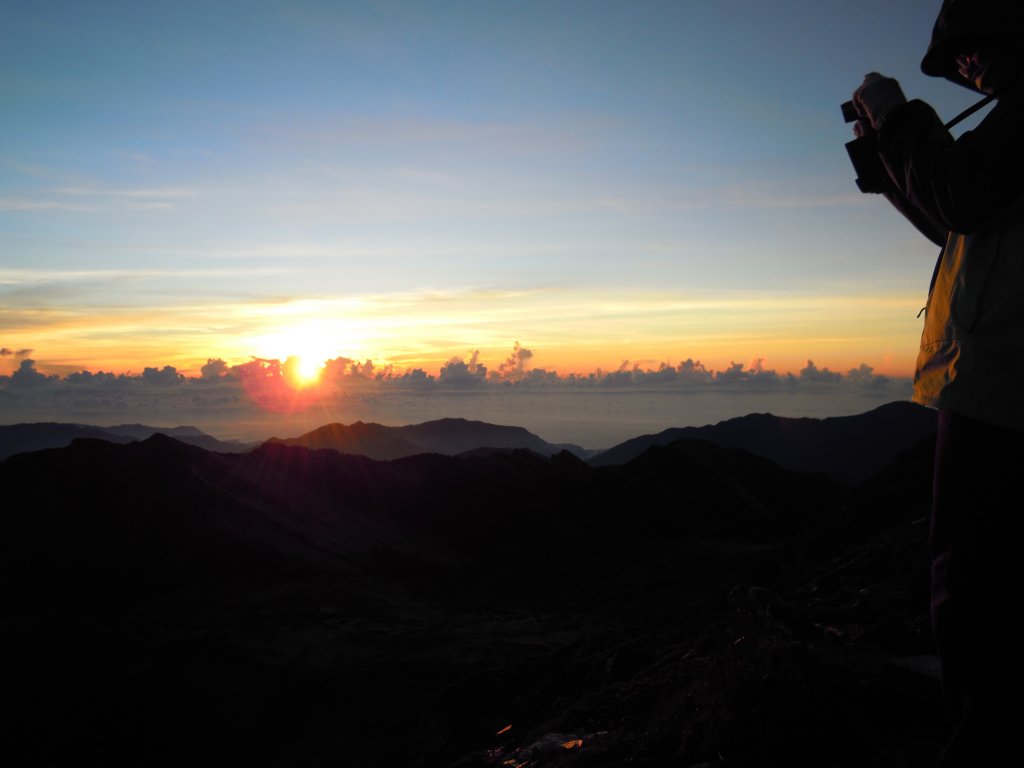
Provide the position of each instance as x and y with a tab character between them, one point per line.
37	436
849	449
449	436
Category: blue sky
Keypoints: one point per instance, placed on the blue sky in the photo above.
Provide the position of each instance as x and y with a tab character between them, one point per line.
412	181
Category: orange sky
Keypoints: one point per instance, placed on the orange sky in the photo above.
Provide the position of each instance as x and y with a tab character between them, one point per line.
568	331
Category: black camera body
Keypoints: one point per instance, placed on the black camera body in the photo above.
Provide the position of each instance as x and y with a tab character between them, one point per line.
863	152
871	173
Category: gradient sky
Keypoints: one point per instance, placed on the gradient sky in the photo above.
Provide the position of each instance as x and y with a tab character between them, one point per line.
601	181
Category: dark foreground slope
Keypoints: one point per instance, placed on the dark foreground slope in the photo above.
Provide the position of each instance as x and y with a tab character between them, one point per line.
163	605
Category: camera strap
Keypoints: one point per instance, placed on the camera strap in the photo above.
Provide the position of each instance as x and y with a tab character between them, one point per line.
970	111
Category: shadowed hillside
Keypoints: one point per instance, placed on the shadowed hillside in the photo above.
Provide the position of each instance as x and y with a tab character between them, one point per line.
169	606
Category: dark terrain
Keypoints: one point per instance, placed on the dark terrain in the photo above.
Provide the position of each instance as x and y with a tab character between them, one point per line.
699	605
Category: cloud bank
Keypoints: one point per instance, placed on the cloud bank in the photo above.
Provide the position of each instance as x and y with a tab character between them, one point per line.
341	374
260	396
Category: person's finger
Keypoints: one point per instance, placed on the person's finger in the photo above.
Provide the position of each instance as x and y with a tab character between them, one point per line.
963	65
857	103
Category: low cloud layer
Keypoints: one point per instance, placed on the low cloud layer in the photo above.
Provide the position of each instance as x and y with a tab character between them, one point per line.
261	394
343	373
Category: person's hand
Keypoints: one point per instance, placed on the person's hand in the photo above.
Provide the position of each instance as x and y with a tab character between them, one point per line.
862	128
876	97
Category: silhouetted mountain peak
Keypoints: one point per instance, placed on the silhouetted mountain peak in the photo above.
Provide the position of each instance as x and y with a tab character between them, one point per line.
847	448
449	436
142	431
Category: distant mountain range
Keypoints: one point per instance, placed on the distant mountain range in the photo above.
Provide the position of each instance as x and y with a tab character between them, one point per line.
849	449
21	438
449	437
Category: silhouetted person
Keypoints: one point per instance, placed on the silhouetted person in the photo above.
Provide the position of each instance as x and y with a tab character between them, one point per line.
967	195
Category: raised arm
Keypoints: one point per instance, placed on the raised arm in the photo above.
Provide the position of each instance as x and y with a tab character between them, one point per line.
960	184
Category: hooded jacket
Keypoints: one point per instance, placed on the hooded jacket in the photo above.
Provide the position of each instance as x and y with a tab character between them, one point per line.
971	359
964	26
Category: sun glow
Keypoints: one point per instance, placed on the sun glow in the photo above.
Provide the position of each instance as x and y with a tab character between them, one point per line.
305	348
309	369
305	370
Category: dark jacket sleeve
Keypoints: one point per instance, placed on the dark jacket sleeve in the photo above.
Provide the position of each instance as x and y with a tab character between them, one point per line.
925	224
960	184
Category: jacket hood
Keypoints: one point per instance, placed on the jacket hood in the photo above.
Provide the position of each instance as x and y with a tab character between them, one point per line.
964	25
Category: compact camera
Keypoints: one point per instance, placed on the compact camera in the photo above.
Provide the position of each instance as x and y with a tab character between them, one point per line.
863	152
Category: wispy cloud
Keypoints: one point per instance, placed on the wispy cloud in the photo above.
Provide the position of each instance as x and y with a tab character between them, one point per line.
18	276
534	136
127	193
87	199
763	194
700	194
41	204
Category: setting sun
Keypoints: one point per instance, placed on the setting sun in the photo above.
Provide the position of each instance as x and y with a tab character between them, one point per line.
305	371
305	347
